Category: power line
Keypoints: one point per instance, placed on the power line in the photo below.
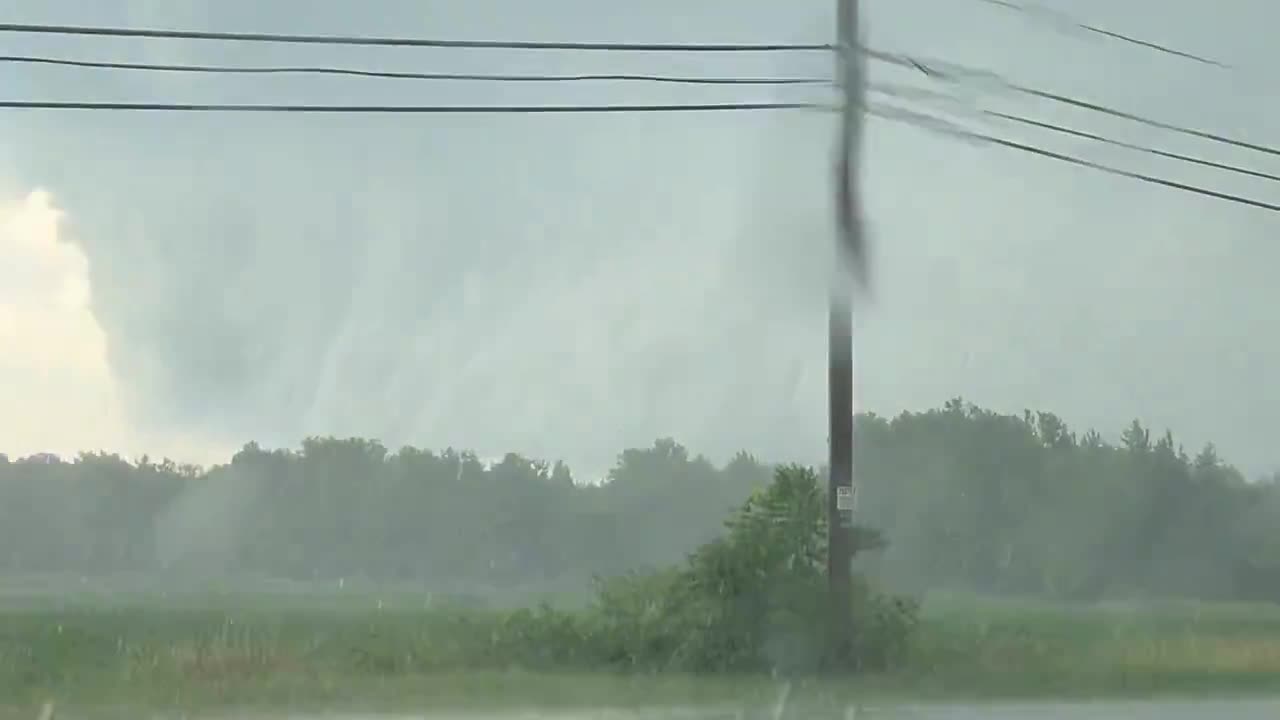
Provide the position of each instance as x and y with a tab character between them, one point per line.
1130	146
907	92
921	120
929	67
405	109
1064	19
932	68
937	125
403	41
324	70
1146	121
898	114
958	74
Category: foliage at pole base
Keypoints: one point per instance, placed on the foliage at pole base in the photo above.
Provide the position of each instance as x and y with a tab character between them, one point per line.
754	599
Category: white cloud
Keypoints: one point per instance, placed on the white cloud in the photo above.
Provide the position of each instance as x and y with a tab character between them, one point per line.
57	393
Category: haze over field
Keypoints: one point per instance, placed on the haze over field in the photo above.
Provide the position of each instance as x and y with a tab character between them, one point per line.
392	355
565	286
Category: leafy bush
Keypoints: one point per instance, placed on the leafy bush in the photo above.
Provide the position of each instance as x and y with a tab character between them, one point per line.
886	624
752	600
543	637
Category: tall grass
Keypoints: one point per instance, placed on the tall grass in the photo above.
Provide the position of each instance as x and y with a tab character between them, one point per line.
392	652
1022	648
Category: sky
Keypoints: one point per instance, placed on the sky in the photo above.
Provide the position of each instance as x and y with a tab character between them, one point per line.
568	286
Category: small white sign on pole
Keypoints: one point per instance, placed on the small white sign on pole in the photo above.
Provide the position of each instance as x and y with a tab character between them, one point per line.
846	499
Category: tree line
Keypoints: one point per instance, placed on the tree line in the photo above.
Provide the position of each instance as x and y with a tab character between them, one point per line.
966	499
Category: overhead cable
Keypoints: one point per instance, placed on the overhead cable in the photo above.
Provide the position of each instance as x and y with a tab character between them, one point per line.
403	41
908	92
917	119
932	68
1063	19
404	75
960	74
1130	146
404	109
940	126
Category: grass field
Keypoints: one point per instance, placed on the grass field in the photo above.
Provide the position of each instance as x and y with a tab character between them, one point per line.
402	651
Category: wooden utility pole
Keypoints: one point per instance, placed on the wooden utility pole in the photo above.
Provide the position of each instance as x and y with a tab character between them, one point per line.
850	266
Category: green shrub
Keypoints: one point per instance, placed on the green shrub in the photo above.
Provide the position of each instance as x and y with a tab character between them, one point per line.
885	626
754	599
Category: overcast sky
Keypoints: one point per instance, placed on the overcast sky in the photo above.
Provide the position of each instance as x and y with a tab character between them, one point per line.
566	286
